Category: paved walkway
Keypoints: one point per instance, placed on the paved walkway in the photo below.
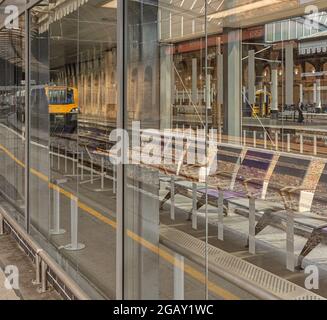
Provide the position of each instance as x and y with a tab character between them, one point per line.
6	294
12	255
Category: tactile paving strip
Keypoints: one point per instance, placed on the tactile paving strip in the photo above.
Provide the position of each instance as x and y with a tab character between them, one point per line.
266	281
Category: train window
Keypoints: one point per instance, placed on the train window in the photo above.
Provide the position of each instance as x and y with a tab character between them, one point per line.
61	96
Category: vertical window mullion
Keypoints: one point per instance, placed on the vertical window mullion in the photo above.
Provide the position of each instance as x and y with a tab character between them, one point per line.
27	120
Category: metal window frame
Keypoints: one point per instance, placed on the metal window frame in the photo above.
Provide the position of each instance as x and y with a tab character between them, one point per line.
120	208
121	72
27	120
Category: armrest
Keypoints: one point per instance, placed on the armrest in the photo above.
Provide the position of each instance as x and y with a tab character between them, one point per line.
253	180
286	194
291	190
220	173
246	181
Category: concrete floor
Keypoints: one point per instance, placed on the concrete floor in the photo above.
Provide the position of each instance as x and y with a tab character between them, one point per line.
12	255
270	245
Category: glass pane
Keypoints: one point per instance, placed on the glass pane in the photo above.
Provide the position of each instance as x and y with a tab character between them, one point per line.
12	114
73	111
165	99
271	164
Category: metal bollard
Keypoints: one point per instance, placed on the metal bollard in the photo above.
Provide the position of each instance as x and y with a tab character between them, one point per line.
244	137
254	139
288	142
74	245
315	151
56	205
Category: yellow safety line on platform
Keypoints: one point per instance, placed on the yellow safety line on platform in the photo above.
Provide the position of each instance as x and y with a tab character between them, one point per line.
195	274
188	269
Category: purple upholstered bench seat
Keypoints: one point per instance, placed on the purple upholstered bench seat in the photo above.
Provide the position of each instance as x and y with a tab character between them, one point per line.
227	194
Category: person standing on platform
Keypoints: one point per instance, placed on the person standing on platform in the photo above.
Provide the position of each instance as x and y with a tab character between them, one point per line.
300	110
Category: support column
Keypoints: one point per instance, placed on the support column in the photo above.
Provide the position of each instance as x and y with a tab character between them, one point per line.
220	89
251	77
194	81
274	93
140	186
232	84
166	86
318	88
289	74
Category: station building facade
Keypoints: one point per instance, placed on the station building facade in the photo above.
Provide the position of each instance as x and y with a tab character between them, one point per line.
162	149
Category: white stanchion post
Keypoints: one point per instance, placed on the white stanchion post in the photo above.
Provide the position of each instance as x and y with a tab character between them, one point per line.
56	208
58	157
194	205
276	140
290	259
65	159
172	198
254	139
220	135
74	156
74	245
252	225
315	151
244	137
114	179
178	277
51	156
301	143
92	165
102	173
288	142
221	215
265	140
82	165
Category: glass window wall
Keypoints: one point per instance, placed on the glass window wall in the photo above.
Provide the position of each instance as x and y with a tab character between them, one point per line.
214	185
13	124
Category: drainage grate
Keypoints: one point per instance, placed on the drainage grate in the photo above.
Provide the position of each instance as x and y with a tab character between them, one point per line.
240	269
